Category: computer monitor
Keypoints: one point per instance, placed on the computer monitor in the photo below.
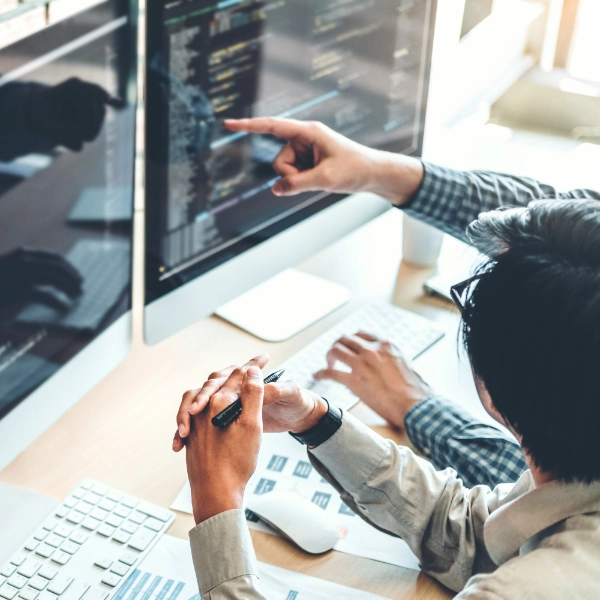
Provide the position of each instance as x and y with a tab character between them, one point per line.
67	150
214	229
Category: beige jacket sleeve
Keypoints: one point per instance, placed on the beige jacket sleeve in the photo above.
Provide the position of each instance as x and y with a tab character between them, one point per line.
403	495
224	559
388	486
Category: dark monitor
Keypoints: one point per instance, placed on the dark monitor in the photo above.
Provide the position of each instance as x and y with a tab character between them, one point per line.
67	138
359	66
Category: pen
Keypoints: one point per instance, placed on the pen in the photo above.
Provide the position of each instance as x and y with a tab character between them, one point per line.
234	410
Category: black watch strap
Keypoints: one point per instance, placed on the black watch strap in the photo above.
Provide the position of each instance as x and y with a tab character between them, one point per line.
329	423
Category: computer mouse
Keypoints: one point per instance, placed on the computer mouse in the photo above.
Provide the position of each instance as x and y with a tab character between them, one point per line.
297	519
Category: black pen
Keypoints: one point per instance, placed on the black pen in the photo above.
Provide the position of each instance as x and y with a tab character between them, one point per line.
234	410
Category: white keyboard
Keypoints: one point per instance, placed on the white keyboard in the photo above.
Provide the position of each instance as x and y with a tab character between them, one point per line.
86	548
411	333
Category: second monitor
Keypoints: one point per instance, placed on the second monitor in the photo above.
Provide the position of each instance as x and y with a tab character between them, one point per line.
214	228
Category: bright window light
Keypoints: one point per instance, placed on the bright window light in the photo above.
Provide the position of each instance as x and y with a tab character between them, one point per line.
584	62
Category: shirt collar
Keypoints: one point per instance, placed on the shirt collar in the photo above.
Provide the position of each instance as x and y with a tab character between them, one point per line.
511	525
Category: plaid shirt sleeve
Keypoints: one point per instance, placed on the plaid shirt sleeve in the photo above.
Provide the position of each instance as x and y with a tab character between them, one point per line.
451	200
451	437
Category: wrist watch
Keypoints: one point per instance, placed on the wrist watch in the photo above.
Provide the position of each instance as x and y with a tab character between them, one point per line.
328	424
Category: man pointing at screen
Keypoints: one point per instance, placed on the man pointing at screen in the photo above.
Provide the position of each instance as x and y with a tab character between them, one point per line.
531	323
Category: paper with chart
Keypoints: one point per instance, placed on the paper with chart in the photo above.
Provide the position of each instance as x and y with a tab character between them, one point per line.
284	465
168	574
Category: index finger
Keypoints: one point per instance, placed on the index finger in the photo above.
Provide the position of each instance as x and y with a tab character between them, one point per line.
253	391
282	128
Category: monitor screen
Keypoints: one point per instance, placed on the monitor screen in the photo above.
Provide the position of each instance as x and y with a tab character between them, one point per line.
359	66
67	135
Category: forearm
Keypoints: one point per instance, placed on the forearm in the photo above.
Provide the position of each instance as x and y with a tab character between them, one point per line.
403	495
451	437
224	558
395	177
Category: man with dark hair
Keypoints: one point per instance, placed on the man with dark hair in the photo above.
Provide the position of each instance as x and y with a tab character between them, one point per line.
532	329
531	323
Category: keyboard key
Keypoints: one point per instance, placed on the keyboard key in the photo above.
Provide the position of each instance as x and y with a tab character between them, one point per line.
75	517
18	560
122	511
92	498
28	594
78	537
61	558
79	493
99	514
29	568
64	531
100	489
119	568
60	584
31	545
114	521
129	527
38	583
111	579
90	523
9	592
95	594
45	595
61	511
106	504
121	536
137	517
70	502
141	539
103	562
83	507
86	484
50	524
115	496
44	550
40	535
106	530
129	502
75	591
17	581
154	511
153	524
70	547
47	572
129	558
8	570
54	540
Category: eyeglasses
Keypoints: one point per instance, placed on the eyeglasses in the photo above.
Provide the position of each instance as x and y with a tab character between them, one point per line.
457	292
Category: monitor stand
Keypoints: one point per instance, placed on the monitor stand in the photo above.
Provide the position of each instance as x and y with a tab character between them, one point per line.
284	305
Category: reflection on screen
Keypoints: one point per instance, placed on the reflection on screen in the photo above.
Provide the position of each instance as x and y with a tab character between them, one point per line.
360	66
67	118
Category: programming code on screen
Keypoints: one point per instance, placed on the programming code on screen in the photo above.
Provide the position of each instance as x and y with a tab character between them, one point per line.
359	66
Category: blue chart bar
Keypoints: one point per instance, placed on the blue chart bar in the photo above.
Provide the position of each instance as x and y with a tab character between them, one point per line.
148	587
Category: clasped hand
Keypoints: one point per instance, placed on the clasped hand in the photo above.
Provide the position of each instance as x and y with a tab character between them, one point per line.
221	461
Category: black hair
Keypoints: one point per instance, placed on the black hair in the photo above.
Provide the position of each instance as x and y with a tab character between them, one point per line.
531	328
